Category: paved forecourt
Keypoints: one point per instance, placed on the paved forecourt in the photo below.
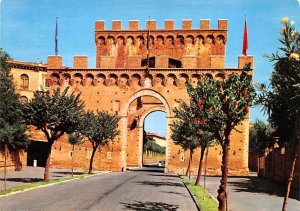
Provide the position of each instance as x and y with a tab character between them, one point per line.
253	194
133	190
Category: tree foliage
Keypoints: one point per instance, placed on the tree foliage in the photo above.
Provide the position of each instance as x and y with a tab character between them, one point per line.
189	131
150	145
12	128
222	105
260	136
75	138
281	101
184	136
54	115
99	128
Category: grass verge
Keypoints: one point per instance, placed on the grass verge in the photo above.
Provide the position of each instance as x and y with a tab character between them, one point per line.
202	197
39	184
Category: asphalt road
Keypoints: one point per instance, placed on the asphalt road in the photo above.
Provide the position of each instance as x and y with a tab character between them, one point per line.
253	194
133	190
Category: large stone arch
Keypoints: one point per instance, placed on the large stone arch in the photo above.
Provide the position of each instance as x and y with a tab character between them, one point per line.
124	123
146	92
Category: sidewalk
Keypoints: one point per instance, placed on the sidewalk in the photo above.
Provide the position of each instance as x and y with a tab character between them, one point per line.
31	174
253	194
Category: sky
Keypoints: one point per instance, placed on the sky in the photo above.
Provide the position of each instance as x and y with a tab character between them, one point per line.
27	28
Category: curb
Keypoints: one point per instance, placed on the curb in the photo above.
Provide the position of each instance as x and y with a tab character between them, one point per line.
198	208
212	196
51	184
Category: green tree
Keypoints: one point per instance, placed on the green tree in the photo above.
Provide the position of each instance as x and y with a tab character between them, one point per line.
99	129
74	139
154	147
282	100
222	105
184	137
54	115
12	128
192	135
260	136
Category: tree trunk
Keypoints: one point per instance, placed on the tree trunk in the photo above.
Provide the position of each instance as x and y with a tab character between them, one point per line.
92	159
200	166
73	146
5	163
100	160
47	166
189	164
295	156
224	168
206	154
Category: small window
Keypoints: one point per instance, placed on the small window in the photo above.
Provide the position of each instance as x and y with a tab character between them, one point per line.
24	82
47	82
23	99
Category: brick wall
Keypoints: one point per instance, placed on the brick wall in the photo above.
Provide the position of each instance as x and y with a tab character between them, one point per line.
277	166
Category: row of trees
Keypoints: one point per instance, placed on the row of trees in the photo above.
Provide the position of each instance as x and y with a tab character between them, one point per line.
55	114
150	145
63	113
215	109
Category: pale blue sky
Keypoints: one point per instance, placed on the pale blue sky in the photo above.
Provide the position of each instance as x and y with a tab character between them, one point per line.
27	26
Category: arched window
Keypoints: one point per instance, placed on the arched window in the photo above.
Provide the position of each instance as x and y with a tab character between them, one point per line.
24	82
23	99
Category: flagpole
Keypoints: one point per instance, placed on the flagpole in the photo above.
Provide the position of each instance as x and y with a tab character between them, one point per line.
56	38
148	43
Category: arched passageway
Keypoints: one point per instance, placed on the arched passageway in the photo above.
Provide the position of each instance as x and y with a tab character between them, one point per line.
139	106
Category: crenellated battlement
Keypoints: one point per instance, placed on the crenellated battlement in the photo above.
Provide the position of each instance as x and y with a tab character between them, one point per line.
116	25
191	47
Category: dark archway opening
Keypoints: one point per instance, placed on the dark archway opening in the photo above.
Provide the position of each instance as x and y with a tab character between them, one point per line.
37	151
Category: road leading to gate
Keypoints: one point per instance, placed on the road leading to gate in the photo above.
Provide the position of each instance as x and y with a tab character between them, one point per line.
134	190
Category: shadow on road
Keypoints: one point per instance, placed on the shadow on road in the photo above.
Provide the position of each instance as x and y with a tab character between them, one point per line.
138	205
149	169
158	184
23	180
259	185
173	192
68	173
164	175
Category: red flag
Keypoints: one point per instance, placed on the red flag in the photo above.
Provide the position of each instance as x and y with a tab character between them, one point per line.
245	40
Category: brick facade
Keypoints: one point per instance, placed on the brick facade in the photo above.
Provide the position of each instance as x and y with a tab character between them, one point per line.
119	84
